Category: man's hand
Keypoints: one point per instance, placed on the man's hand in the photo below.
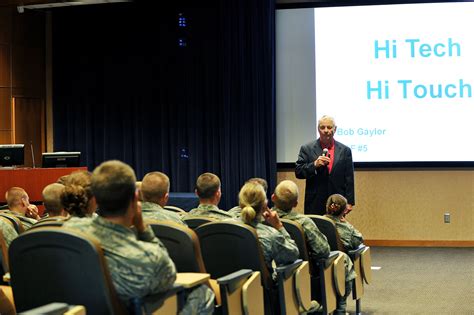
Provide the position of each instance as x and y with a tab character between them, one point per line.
32	212
348	209
138	219
321	161
271	217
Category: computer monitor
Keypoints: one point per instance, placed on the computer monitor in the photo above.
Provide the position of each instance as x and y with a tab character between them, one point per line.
61	159
12	154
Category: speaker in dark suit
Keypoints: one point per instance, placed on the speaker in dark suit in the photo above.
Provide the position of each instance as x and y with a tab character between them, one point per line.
327	166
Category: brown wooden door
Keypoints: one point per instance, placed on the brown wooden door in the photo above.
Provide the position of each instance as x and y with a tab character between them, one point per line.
29	127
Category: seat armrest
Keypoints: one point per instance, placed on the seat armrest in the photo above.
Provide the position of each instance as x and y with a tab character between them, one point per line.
287	271
49	309
234	280
326	262
191	279
76	310
354	253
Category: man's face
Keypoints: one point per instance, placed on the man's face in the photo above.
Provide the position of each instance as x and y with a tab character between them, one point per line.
326	131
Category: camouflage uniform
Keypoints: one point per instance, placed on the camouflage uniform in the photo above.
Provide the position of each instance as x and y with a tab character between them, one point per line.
139	267
350	237
9	232
25	221
318	243
211	211
154	211
277	245
235	212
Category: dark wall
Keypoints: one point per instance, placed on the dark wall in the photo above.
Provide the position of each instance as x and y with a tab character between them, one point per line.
124	89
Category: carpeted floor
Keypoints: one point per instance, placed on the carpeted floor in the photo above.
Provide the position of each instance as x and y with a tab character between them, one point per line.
419	281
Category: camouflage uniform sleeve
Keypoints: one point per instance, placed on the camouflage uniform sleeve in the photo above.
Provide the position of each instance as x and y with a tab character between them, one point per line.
177	218
164	272
235	212
9	233
318	243
284	248
149	236
200	300
356	237
350	237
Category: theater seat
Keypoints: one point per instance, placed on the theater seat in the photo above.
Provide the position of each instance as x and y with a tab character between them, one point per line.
57	309
182	244
7	306
60	265
360	257
194	222
362	266
230	246
50	222
327	275
328	228
235	292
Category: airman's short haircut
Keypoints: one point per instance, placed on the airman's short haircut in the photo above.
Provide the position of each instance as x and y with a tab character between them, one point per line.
207	185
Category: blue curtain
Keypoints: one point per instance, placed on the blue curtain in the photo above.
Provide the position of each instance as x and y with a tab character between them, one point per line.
123	88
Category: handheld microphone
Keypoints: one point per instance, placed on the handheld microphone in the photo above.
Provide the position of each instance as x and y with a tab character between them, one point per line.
325	152
32	154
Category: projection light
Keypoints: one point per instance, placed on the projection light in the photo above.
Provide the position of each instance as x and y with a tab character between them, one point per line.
64	3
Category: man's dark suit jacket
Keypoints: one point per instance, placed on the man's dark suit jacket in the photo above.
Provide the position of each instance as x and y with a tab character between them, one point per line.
320	184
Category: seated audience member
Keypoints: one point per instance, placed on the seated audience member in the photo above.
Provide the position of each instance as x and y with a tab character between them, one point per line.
77	197
235	211
277	245
155	190
208	189
9	232
285	198
52	201
19	205
139	263
335	210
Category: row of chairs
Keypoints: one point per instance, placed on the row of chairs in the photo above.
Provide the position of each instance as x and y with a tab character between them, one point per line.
246	284
294	292
327	280
70	267
360	257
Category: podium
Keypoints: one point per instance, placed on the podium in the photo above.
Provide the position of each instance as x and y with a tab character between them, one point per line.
32	180
186	201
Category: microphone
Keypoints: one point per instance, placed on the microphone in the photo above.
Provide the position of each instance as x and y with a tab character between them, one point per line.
325	152
32	154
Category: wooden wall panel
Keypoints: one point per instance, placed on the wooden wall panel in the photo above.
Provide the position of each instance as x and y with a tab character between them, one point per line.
28	77
28	54
5	109
5	25
28	28
409	205
5	66
5	136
